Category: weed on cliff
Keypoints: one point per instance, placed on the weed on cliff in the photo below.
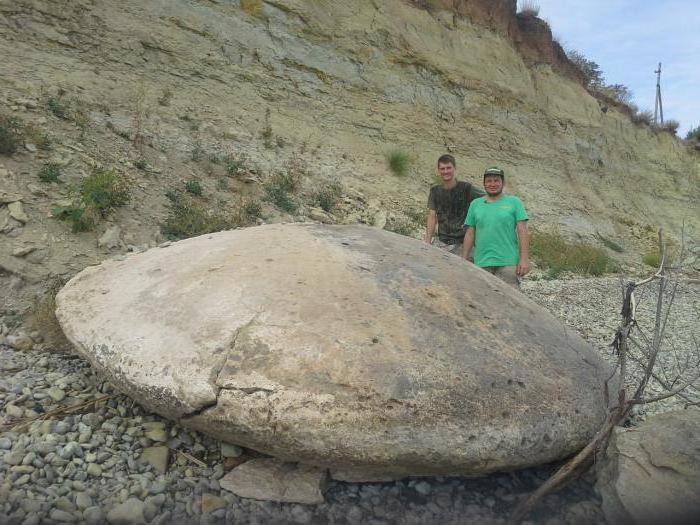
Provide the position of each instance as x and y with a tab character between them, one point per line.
528	8
282	186
50	172
188	217
194	187
42	317
10	135
557	255
399	162
94	198
328	195
669	126
252	7
58	107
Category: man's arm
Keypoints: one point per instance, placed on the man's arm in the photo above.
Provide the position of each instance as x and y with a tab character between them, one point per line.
524	242
431	222
468	242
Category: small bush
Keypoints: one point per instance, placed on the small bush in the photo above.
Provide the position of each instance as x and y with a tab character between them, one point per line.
281	187
59	108
50	172
81	218
252	7
165	97
222	184
194	187
652	258
42	317
529	8
104	191
10	135
235	165
328	195
643	117
670	126
556	254
140	164
401	225
252	209
399	162
693	134
189	218
197	152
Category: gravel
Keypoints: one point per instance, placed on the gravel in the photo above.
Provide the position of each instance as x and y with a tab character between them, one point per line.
83	466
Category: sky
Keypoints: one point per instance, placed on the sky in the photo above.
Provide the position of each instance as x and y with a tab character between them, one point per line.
628	39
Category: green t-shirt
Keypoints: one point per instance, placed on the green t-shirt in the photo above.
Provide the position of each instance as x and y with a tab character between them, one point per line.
496	242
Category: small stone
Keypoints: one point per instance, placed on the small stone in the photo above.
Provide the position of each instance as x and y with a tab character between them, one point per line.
14	411
83	500
24	250
230	451
20	342
128	513
13	458
22	480
94	469
93	516
5	443
56	394
157	457
111	238
159	435
210	503
17	212
62	515
423	487
31	148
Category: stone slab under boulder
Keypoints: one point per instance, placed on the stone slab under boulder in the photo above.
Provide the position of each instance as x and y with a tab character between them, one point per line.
651	473
274	480
343	347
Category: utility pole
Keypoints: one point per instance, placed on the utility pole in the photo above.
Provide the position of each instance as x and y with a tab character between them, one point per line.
658	107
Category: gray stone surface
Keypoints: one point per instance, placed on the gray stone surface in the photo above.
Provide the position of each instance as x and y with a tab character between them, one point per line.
291	339
271	479
651	473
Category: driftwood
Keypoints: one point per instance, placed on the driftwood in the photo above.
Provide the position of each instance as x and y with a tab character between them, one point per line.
647	349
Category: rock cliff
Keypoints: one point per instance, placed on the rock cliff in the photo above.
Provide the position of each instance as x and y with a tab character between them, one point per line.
335	84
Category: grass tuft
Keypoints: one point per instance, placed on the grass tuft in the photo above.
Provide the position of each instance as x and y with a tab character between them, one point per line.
399	162
193	187
10	135
328	195
555	253
50	172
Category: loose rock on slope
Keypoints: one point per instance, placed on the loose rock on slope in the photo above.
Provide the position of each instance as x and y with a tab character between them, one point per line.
339	346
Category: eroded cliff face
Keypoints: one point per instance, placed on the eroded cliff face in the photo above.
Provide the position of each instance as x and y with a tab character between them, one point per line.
338	84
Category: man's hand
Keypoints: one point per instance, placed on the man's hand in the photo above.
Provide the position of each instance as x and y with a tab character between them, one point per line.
522	268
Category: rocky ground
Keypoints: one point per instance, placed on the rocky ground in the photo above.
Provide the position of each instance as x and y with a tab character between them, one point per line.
73	450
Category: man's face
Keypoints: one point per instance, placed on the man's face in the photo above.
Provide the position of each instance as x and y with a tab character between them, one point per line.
493	184
446	171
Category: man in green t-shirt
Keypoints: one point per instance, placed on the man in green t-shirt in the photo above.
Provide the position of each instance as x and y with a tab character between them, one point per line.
497	229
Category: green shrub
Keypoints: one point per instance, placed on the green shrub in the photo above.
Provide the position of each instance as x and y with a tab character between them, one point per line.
189	218
693	134
281	187
140	164
50	172
81	218
670	126
529	9
194	187
222	184
235	165
652	258
328	195
399	162
252	209
400	225
10	135
104	191
197	152
553	252
58	108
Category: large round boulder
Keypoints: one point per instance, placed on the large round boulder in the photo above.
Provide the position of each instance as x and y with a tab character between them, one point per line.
339	346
